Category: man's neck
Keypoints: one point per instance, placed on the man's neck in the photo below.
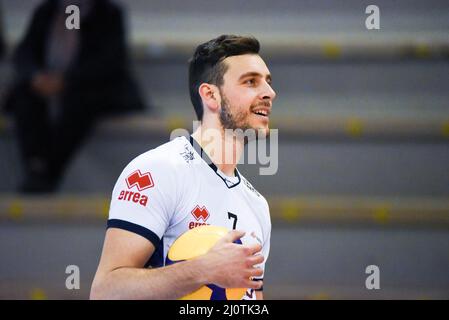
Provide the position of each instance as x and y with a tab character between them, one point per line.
223	149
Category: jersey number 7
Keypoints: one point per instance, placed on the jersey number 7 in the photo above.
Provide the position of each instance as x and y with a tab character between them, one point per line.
233	216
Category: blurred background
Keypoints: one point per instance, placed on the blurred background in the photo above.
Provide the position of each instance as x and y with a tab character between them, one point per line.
363	121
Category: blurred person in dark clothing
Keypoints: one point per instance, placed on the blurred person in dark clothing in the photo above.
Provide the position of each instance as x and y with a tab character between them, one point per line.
65	80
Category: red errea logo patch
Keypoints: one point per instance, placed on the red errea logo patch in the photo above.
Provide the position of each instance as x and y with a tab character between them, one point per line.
199	213
141	182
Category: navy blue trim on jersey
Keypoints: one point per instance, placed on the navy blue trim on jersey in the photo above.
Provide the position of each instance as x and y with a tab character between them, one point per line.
258	279
138	229
218	293
212	165
157	258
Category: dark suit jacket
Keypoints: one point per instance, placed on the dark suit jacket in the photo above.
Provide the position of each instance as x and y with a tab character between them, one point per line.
98	77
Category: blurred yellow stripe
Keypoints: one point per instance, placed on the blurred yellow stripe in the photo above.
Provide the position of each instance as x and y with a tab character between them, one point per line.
294	209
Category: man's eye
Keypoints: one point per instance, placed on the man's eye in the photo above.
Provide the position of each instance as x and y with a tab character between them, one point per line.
250	81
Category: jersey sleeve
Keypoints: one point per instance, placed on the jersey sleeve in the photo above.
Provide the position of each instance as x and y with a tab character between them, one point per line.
144	198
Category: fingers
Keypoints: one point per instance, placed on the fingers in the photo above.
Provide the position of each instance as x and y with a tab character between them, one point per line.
254	272
233	235
254	248
254	260
253	284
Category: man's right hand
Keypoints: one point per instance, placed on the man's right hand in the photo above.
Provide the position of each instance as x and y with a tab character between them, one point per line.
231	265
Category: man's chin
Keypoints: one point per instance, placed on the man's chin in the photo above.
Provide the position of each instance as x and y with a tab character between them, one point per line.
262	133
250	133
257	134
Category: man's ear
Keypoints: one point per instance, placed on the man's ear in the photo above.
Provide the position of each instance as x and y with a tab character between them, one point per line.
210	95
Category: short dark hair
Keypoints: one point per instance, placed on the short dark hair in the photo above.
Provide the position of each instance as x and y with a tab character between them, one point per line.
206	65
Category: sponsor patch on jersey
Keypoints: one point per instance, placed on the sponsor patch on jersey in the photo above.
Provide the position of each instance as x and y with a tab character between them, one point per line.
250	187
135	197
139	181
187	154
199	213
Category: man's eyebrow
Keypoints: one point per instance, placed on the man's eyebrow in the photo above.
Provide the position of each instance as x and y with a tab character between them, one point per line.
254	74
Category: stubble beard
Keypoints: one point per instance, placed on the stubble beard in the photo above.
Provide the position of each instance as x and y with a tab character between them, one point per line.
239	123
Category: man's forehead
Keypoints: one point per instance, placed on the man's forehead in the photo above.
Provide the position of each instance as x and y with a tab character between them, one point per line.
245	63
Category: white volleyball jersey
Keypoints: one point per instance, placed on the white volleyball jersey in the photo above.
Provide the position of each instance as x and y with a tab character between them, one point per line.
173	188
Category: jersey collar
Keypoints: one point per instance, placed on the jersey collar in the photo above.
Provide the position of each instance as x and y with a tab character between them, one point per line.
227	180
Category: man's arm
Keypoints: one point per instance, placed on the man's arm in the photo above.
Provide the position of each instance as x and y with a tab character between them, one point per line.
120	274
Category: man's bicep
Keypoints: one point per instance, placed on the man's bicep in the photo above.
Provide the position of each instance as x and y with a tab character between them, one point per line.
124	248
259	295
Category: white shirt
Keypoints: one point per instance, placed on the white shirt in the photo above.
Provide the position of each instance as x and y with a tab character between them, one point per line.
168	190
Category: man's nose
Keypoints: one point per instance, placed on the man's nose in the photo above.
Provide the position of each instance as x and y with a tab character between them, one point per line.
268	92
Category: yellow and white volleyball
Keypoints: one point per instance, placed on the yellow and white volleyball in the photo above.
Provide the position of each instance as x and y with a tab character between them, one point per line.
196	242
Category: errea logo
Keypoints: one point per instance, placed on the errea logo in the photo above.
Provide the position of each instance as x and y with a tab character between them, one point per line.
140	182
199	213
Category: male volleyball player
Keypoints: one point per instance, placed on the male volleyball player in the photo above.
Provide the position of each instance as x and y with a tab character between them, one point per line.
168	190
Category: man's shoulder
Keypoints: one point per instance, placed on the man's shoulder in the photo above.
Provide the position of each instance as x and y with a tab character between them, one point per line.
259	204
168	156
251	189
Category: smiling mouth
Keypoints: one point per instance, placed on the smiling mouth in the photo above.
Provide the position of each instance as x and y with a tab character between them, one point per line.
262	113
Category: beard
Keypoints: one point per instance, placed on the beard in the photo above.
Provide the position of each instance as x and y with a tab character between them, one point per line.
239	122
230	121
